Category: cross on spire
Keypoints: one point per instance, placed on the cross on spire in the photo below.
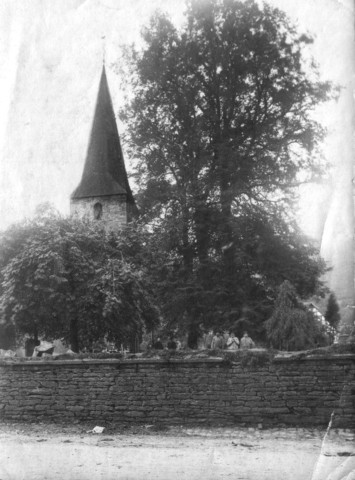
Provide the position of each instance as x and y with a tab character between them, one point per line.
103	38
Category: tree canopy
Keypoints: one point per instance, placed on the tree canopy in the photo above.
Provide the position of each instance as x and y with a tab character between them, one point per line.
66	278
220	124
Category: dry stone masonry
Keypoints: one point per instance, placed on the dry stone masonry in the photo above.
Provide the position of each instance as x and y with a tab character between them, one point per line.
115	210
208	391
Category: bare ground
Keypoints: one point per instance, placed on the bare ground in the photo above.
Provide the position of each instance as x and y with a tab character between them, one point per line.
70	452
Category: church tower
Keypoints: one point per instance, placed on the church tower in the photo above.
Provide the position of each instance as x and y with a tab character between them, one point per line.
104	194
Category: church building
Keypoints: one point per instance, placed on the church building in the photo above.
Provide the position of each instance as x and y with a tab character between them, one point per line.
104	194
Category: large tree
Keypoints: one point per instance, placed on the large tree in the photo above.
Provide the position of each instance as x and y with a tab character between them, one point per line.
66	278
222	130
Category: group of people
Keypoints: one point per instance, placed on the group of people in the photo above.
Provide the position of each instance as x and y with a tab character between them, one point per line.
212	341
227	341
172	344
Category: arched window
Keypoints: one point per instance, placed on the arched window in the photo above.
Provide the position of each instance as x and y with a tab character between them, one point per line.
97	211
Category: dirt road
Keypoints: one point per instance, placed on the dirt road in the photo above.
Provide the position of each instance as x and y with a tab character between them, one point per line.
70	453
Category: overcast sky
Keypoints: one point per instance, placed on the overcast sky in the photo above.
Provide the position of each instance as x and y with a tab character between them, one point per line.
51	57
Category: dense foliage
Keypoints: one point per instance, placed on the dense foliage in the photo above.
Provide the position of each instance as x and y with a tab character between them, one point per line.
64	278
221	127
292	326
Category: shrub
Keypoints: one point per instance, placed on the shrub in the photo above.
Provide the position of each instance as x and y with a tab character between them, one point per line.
292	326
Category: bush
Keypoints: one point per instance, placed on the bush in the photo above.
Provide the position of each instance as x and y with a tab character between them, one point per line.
292	326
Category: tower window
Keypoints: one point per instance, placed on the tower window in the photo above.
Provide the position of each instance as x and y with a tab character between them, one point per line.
97	211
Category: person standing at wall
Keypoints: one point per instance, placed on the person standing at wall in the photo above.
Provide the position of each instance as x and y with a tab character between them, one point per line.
217	342
225	338
30	344
232	342
158	344
246	342
171	343
208	339
144	346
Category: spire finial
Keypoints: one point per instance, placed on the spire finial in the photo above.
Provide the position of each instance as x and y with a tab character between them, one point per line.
103	38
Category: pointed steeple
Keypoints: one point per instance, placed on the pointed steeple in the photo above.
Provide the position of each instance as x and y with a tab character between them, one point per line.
104	171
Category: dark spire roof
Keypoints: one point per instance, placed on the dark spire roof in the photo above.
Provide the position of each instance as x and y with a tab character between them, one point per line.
104	171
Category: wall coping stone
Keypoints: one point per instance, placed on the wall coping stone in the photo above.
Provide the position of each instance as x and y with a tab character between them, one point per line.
144	361
108	361
327	358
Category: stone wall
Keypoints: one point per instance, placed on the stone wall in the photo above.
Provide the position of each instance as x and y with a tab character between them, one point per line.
114	210
207	391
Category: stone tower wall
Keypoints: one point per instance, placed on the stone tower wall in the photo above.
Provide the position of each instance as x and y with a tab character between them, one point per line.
114	210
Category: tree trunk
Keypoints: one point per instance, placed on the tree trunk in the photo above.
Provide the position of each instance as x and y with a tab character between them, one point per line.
192	336
202	220
226	200
187	252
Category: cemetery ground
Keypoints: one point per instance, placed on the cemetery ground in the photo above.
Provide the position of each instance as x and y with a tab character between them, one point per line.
72	452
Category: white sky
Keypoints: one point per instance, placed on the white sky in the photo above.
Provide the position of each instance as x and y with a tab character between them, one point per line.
51	57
